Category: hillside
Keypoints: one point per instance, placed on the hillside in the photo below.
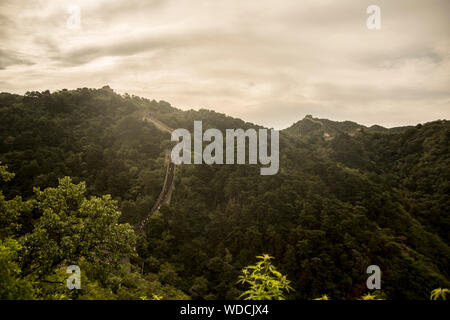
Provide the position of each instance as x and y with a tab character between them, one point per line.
346	196
329	129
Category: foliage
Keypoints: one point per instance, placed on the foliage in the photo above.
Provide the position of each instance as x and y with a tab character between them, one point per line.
323	297
71	226
154	297
265	282
70	229
346	197
439	293
12	286
370	296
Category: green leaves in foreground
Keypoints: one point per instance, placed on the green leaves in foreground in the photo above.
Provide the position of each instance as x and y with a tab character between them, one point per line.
72	226
11	285
266	283
439	294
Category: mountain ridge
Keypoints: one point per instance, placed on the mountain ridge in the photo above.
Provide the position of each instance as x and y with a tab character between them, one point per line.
331	127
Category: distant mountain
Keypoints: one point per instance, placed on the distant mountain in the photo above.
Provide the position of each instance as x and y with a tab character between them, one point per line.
329	129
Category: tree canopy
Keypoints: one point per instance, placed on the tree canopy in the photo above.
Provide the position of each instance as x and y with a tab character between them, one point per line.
346	197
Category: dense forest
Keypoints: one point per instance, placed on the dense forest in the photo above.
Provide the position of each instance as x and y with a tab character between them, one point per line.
80	168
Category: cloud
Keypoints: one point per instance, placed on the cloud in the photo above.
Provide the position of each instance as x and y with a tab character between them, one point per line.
11	58
269	62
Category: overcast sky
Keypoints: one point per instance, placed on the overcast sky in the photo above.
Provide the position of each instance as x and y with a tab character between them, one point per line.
267	62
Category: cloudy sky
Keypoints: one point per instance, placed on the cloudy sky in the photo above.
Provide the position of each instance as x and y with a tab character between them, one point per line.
268	62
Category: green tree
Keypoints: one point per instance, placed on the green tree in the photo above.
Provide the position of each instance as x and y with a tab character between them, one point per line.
439	293
11	285
10	210
265	282
72	226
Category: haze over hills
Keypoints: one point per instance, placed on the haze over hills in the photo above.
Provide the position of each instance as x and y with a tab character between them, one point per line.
346	197
330	128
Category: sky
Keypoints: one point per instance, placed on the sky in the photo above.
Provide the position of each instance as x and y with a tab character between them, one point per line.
267	62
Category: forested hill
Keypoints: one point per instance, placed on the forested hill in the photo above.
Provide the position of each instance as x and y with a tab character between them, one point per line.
346	197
